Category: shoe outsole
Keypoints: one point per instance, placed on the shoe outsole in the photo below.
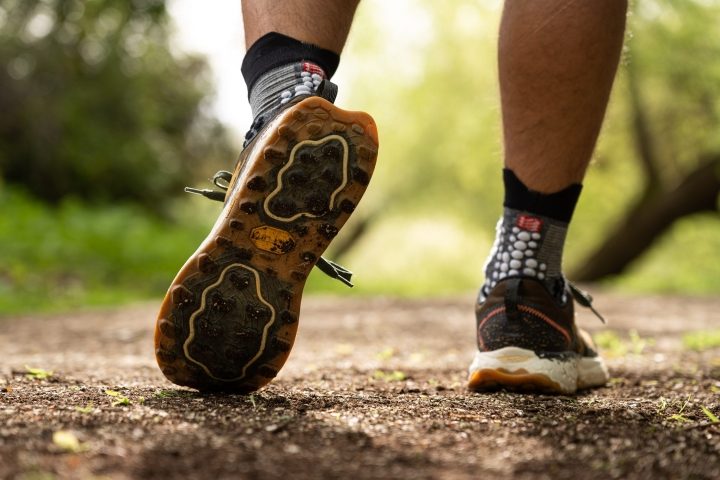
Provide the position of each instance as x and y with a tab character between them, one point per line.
523	370
230	316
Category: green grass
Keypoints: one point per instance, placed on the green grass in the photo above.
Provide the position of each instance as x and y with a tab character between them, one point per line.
702	340
77	255
614	346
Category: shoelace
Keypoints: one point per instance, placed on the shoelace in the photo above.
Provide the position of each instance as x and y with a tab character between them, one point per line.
222	180
585	299
512	298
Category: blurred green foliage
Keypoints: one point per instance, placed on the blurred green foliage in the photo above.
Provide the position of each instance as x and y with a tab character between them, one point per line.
438	113
76	255
95	104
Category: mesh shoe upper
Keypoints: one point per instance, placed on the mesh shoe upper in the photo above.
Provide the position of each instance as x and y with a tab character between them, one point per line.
521	312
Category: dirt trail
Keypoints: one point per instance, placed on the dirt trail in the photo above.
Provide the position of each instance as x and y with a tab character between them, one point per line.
374	389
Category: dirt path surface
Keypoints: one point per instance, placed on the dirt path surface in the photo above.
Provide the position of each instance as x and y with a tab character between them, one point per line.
373	389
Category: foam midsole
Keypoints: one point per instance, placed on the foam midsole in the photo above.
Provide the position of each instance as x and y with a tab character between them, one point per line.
569	372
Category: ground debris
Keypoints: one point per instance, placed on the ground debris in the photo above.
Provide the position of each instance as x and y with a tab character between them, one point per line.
347	405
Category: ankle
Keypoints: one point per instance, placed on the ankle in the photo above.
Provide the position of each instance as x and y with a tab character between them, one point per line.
278	68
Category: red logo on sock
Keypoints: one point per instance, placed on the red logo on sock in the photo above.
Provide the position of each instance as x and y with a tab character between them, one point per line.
312	68
531	224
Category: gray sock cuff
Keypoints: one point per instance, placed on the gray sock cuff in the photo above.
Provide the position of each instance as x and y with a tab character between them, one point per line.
527	245
282	83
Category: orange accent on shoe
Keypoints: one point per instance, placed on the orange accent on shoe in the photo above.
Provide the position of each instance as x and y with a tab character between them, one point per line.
489	316
489	378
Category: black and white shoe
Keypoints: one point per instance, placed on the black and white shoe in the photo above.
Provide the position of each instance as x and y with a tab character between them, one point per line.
528	341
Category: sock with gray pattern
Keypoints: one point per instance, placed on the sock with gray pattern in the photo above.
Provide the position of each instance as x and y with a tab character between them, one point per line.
277	68
530	236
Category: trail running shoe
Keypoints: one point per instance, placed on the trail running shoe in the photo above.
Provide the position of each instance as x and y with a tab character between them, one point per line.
528	341
229	318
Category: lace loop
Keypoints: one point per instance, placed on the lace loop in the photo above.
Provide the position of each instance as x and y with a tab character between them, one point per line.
222	176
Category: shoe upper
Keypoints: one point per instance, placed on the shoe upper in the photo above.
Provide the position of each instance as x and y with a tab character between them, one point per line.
521	312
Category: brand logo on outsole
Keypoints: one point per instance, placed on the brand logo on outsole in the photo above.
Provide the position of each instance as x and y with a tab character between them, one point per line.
272	240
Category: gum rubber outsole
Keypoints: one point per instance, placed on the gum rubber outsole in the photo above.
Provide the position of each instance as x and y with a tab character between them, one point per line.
230	316
519	381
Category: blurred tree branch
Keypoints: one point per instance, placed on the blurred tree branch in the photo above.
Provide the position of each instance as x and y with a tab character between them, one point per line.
671	96
655	211
642	137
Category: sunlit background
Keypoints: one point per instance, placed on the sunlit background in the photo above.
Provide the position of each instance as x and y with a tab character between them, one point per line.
108	108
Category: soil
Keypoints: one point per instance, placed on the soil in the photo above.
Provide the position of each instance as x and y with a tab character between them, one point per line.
374	388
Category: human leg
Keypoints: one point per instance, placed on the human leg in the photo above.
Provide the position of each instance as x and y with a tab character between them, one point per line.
230	316
325	23
557	61
292	47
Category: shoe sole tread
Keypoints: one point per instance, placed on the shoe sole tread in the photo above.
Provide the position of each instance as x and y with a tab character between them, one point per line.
230	316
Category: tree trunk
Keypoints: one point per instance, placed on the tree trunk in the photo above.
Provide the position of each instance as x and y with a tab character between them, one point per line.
650	217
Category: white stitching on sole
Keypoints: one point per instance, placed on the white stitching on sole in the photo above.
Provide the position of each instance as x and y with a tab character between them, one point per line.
346	150
191	336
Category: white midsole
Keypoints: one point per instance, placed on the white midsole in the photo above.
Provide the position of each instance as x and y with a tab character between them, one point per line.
569	373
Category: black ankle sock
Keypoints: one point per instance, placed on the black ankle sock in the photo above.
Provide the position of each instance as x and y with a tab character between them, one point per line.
277	69
559	205
274	49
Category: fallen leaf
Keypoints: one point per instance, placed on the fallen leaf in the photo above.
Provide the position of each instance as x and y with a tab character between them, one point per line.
67	441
